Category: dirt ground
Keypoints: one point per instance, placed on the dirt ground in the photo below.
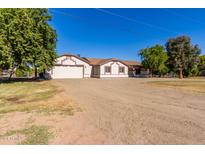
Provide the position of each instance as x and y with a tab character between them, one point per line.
131	111
118	111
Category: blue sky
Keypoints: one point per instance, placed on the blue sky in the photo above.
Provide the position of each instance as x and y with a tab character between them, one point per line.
121	33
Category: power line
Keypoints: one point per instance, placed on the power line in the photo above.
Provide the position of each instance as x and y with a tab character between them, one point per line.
183	16
66	14
136	21
87	21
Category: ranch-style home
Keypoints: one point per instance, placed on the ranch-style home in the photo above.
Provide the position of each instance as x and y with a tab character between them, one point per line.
108	68
72	66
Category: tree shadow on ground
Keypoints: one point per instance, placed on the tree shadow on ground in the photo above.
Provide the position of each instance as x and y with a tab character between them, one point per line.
5	80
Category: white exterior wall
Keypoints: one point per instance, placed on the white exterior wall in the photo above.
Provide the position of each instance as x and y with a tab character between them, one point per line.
114	70
71	60
63	72
73	67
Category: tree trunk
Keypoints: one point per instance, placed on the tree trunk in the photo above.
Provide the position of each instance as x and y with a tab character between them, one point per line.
151	73
11	73
180	73
10	76
36	72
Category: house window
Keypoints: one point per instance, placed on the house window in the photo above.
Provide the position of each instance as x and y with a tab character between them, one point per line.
107	69
121	69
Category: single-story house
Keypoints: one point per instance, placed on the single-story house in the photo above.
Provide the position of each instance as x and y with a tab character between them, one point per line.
72	66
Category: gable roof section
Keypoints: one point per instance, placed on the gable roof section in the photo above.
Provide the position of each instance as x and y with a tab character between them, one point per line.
70	55
96	61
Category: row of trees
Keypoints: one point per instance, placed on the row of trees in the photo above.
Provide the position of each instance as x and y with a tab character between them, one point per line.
27	41
179	56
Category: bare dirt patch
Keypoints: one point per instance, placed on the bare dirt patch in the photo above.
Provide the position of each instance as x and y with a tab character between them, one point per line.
54	128
130	111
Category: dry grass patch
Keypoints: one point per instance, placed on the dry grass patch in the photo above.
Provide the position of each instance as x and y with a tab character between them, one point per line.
33	135
189	85
33	96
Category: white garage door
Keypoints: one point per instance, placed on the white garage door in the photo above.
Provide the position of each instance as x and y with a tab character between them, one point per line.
63	72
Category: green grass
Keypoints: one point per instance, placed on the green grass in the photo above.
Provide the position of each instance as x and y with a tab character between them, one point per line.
191	85
32	96
34	135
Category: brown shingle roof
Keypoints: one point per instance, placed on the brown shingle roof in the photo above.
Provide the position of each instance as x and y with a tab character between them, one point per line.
96	61
131	63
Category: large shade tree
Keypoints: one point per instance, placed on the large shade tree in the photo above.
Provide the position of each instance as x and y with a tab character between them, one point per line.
14	24
183	56
26	39
154	59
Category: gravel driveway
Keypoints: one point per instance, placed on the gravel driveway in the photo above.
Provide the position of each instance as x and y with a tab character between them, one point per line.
131	111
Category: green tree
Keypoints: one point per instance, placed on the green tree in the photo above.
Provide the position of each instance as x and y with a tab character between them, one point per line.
14	24
183	56
201	65
43	41
26	39
154	59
